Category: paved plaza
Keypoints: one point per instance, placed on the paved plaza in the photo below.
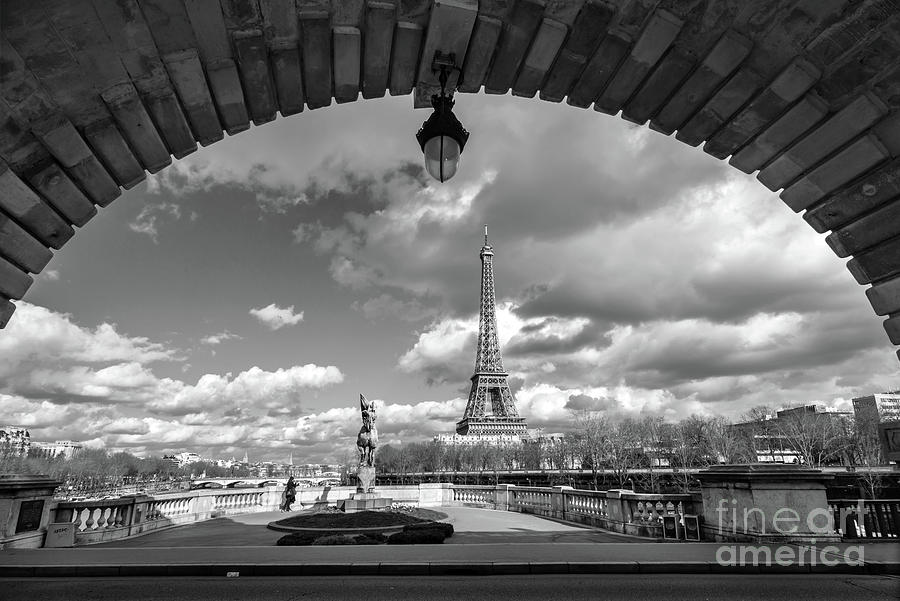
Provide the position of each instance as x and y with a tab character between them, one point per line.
471	525
485	542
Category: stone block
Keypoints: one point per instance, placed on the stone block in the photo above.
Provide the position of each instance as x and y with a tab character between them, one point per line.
381	18
540	57
208	25
888	129
6	312
63	141
22	203
137	127
892	327
728	53
790	85
111	148
720	108
655	39
449	30
664	80
836	131
766	503
478	56
565	72
187	75
95	180
885	296
171	122
587	31
253	62
852	161
13	281
780	134
228	94
514	42
21	248
170	25
316	35
867	231
599	69
347	49
405	57
288	81
878	263
877	187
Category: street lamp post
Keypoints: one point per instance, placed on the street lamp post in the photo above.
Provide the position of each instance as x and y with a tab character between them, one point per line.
442	137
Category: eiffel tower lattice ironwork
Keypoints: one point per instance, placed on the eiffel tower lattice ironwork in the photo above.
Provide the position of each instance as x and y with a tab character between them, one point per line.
491	409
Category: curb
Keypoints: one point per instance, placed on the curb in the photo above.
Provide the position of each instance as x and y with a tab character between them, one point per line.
431	569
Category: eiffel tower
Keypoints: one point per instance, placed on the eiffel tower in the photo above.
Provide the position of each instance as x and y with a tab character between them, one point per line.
491	409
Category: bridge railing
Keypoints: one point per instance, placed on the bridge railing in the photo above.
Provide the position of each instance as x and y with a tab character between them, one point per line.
866	518
112	519
480	496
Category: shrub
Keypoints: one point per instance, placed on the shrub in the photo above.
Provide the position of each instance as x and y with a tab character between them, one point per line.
373	538
297	539
335	539
431	536
444	527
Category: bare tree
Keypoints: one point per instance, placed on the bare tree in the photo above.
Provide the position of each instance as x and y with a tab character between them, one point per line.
621	448
724	444
817	437
591	428
761	435
867	453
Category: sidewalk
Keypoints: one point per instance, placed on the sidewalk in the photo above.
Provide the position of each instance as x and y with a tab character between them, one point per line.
473	550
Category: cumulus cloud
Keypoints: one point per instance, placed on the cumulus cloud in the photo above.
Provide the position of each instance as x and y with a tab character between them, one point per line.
62	380
151	215
216	339
275	317
39	336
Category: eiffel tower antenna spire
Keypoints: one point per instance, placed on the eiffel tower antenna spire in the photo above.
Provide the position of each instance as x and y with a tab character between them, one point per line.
491	409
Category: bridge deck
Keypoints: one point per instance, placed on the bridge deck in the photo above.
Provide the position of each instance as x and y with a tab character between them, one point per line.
471	525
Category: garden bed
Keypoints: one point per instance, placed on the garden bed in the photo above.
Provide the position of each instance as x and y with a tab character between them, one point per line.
362	521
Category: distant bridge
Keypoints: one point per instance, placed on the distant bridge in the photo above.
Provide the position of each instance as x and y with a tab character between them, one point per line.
302	482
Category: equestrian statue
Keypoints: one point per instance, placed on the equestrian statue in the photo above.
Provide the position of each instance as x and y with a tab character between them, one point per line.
367	439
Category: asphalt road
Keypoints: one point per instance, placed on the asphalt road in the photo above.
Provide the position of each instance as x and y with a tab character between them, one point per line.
613	587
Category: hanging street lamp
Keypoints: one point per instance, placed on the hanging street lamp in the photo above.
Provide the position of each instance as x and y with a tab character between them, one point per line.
442	137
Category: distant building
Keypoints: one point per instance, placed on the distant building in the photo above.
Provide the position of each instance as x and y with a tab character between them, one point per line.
182	459
66	448
14	441
768	435
877	408
490	440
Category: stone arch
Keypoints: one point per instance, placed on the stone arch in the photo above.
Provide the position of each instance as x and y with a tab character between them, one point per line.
95	93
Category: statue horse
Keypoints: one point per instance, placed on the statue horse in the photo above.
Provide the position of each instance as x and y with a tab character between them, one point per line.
367	439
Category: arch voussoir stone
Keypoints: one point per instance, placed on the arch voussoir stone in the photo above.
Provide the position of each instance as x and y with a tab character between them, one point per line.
95	94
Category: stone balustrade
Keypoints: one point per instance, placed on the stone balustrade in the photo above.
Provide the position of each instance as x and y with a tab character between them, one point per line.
624	511
111	519
877	519
478	496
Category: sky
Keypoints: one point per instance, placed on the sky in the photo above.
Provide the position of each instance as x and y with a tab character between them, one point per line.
241	299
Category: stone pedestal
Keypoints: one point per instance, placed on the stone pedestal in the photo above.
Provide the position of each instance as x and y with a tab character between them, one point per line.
366	476
766	503
25	509
365	498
